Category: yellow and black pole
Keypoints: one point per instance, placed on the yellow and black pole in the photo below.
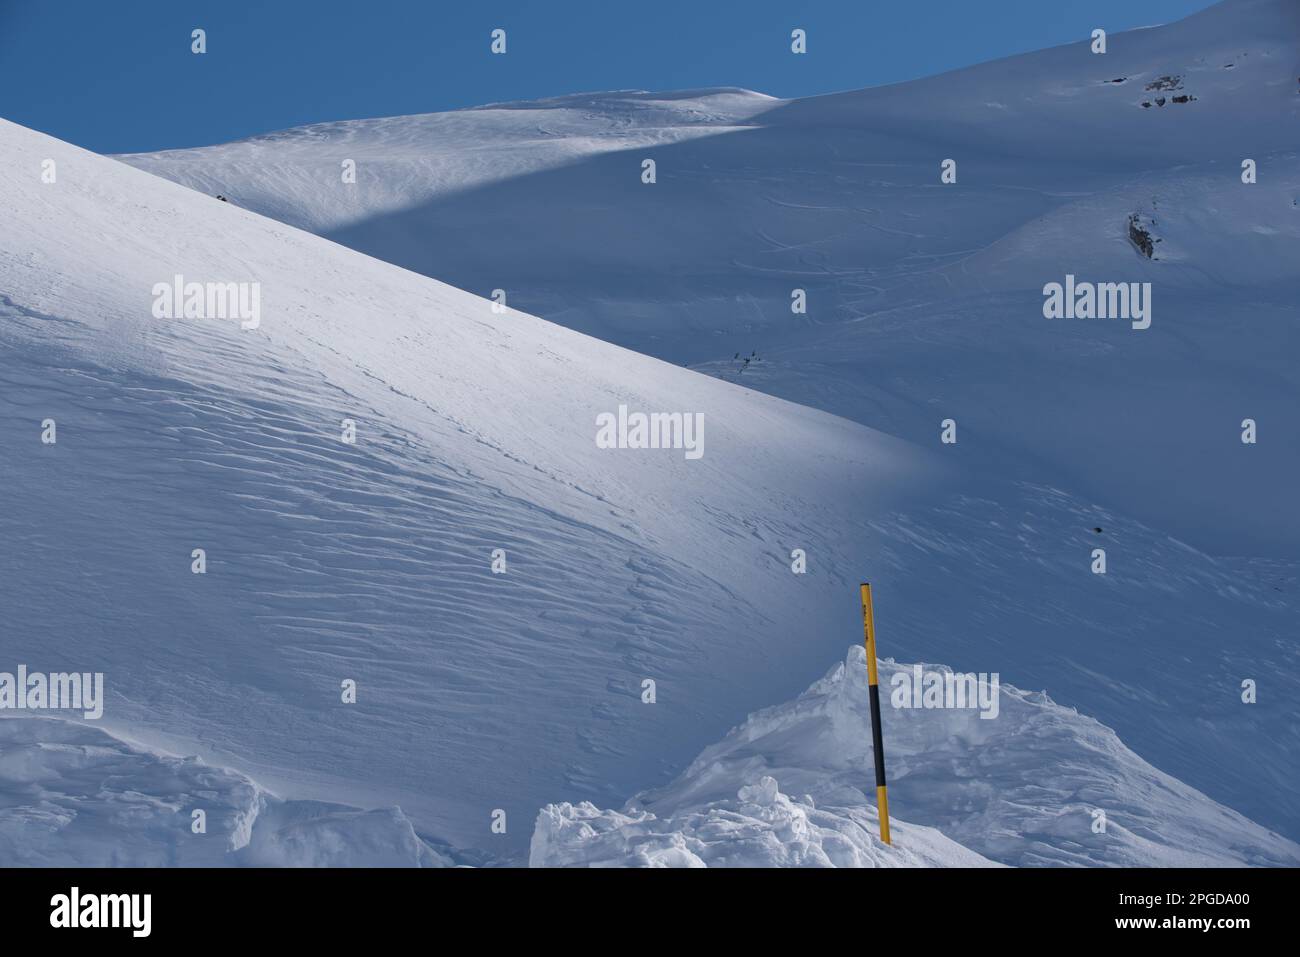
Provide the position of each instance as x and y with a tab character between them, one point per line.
877	742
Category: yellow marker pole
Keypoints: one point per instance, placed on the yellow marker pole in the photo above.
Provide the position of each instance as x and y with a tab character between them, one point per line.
877	742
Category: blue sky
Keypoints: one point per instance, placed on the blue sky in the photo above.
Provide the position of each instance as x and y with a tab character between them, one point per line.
120	77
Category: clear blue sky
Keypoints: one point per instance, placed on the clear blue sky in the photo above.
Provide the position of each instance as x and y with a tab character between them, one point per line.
120	77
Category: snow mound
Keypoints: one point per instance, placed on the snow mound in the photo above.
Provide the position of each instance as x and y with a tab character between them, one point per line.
759	827
295	175
1034	785
73	795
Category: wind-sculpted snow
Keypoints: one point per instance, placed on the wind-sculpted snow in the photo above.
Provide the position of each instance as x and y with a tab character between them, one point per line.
74	796
372	561
1037	785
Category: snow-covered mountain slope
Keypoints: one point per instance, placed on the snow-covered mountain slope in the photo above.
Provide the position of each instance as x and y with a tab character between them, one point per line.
296	175
1037	785
372	561
478	692
924	299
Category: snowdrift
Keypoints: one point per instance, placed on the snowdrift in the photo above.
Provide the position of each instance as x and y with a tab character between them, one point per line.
73	796
1038	785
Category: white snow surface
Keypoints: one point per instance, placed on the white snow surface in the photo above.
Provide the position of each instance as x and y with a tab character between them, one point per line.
409	160
478	692
372	562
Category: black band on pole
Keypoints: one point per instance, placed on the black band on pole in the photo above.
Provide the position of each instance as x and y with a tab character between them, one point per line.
877	740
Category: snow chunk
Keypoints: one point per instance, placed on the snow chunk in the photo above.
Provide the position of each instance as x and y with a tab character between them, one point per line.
760	827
